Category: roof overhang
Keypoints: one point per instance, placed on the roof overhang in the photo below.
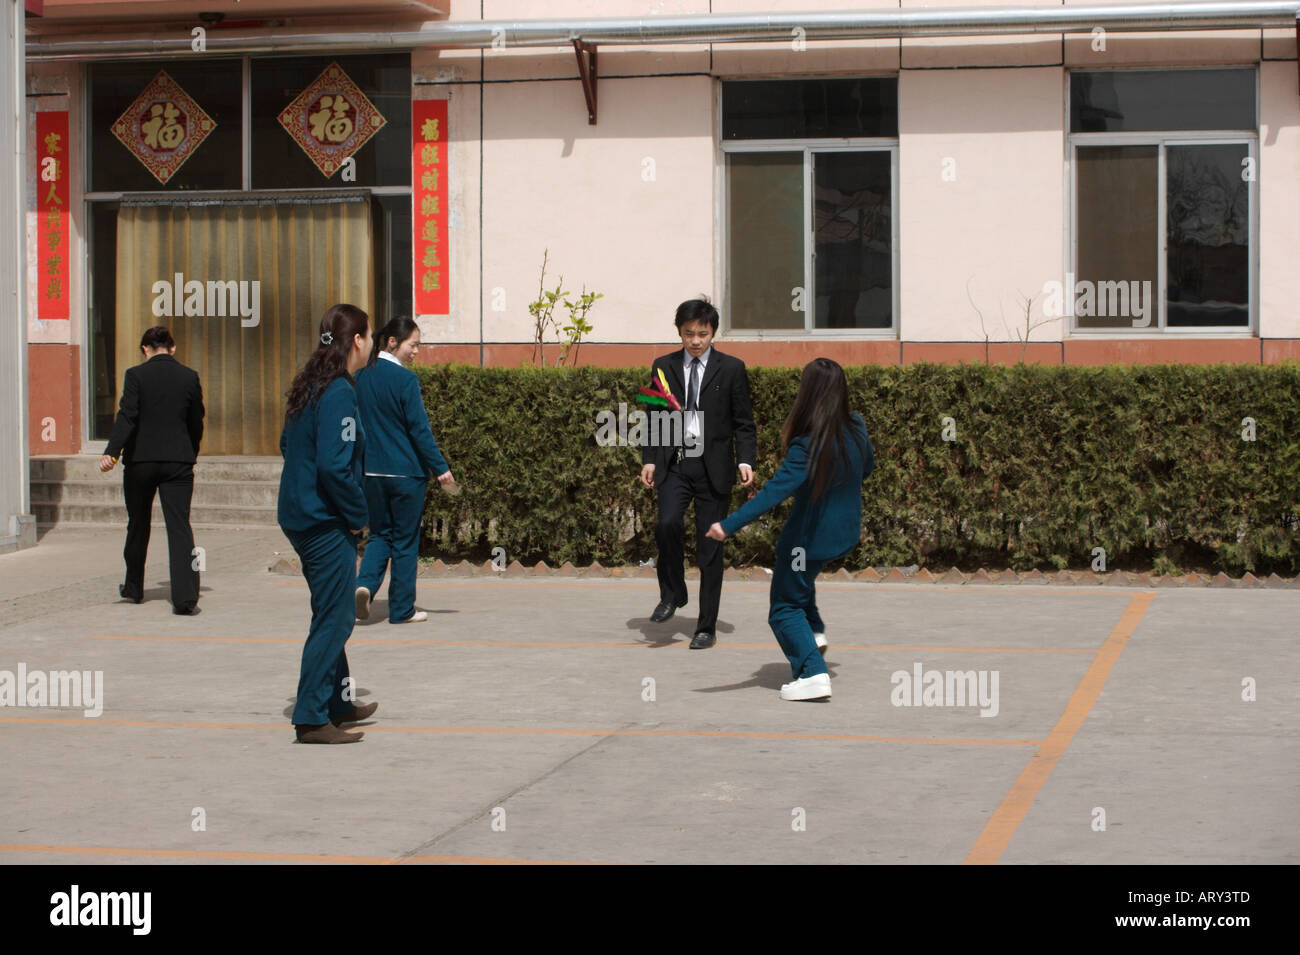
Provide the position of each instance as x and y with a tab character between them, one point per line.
697	28
584	35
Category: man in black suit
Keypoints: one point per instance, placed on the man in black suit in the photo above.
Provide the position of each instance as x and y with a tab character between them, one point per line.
158	428
699	464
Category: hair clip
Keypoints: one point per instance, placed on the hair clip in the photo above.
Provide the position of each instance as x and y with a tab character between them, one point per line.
327	339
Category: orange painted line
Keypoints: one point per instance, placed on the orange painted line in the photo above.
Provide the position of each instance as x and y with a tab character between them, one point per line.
646	583
128	636
159	724
363	641
474	860
541	581
939	649
527	731
1015	805
276	856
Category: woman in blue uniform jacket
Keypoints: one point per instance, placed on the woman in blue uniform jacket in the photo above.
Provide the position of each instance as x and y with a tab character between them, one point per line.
827	457
401	455
322	510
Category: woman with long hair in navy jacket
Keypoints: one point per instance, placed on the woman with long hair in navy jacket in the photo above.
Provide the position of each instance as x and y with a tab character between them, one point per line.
322	510
401	456
827	457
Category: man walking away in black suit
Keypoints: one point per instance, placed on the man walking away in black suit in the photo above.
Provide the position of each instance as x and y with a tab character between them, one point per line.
701	465
158	429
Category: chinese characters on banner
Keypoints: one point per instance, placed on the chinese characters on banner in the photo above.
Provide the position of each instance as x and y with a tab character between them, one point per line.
52	215
429	206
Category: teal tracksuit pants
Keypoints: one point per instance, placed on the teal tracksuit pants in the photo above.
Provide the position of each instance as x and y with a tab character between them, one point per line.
396	506
792	612
329	562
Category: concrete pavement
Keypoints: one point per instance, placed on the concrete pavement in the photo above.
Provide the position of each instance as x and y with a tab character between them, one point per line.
547	720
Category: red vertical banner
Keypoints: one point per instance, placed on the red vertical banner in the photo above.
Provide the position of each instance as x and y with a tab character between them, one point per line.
429	206
52	198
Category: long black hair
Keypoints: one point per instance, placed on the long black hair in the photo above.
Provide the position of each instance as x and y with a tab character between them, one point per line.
821	415
399	328
339	326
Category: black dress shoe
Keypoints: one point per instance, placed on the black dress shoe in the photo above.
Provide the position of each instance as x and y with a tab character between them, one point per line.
185	610
356	715
703	640
121	592
664	611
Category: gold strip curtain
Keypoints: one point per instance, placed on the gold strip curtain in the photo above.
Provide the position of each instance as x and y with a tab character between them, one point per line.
306	252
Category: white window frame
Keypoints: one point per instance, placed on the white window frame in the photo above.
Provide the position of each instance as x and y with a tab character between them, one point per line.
1161	140
809	148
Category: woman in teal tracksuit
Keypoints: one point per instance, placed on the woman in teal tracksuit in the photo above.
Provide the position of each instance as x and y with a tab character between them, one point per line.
827	457
322	510
401	455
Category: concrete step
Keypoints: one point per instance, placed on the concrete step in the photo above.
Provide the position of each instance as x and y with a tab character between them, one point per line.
108	490
243	516
85	467
228	491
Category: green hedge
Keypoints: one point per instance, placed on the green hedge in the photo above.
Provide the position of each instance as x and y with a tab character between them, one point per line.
1048	463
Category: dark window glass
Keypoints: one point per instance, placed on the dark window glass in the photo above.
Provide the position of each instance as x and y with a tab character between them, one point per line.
383	160
1208	246
852	235
215	85
393	290
1145	100
765	240
810	109
102	235
1119	237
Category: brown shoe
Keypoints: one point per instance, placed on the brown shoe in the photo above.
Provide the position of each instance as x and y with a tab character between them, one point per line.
328	733
359	713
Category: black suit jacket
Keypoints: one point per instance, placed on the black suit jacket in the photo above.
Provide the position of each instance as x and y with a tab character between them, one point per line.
160	417
729	433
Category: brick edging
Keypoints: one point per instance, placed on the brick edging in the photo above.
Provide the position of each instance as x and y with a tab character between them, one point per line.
888	575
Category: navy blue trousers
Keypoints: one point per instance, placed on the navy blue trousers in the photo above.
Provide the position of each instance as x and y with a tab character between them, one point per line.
329	562
396	505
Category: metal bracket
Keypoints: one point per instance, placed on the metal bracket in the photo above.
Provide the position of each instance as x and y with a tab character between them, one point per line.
587	73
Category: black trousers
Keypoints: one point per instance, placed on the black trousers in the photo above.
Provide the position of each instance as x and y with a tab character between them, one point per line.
685	482
174	484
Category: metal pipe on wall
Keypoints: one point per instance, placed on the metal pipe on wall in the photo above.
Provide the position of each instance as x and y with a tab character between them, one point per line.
701	28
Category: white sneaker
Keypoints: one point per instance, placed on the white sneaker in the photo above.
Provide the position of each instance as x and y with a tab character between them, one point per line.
821	643
816	687
363	604
418	617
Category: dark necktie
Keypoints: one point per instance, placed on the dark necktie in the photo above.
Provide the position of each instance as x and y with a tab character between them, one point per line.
693	395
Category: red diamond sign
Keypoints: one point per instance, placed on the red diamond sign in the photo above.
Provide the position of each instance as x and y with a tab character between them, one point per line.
331	119
163	127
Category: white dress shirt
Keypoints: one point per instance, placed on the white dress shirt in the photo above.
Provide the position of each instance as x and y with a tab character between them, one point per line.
693	421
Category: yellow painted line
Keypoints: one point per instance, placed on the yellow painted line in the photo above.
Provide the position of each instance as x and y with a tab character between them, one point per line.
525	731
274	856
1015	805
364	641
